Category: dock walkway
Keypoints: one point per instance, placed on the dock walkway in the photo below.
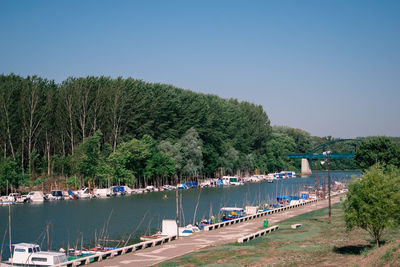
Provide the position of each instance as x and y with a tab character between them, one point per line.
184	245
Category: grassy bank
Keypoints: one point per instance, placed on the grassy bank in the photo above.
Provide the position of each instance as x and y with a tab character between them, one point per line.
316	243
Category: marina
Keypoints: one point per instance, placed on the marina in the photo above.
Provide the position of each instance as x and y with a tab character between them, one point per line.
239	230
64	224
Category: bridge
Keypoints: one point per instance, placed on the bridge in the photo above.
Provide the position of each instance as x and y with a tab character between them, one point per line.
306	158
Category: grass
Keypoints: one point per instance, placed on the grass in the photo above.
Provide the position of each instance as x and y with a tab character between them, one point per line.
315	243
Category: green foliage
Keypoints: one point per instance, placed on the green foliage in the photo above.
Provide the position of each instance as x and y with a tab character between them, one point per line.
88	156
191	147
159	166
301	138
279	145
39	181
373	201
10	173
377	149
71	182
210	159
129	160
49	128
230	160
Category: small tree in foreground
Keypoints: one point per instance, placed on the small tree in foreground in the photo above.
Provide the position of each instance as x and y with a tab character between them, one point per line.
373	201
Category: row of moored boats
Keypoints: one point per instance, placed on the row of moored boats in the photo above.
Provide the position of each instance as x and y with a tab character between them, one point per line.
86	193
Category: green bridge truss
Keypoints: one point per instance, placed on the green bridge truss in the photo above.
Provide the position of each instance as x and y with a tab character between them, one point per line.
311	155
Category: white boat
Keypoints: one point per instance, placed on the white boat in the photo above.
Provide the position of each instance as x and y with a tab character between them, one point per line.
84	193
26	254
288	174
231	180
138	191
188	230
102	192
17	197
128	190
6	200
151	237
169	187
180	186
35	196
150	188
12	198
55	195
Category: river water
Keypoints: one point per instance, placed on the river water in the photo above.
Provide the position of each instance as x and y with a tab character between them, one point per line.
71	220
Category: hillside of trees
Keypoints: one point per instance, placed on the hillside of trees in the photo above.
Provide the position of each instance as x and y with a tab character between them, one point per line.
127	131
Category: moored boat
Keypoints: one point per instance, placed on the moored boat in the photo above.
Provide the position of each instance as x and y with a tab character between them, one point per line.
230	213
35	196
150	237
55	195
25	254
231	180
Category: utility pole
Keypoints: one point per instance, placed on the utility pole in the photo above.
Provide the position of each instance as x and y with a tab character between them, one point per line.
327	154
329	192
316	180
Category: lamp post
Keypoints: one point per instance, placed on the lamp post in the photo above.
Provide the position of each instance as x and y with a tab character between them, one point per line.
327	154
316	180
323	180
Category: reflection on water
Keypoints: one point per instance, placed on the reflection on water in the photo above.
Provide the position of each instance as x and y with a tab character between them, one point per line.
72	220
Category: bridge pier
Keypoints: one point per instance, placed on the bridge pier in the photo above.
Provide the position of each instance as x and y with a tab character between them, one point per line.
305	167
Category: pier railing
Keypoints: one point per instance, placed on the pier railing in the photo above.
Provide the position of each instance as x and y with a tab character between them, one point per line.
257	215
116	252
257	234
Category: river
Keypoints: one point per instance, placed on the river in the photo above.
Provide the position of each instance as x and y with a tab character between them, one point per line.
71	220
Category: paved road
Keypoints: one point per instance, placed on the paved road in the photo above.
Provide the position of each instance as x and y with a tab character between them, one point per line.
184	245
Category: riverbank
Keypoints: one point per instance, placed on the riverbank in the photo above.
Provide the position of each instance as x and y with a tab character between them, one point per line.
136	215
315	243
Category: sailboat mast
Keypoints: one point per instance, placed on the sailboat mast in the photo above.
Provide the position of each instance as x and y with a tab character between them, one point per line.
9	231
177	213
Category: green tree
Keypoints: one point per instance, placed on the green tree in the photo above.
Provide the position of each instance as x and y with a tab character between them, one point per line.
174	153
88	156
278	146
159	166
129	160
192	153
377	149
373	201
229	161
247	163
10	173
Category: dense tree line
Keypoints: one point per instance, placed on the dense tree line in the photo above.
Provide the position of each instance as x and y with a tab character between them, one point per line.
45	127
119	130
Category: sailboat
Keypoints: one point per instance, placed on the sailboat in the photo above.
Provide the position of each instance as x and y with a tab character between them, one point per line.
26	254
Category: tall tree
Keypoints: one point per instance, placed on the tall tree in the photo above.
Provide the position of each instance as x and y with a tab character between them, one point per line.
67	110
88	156
32	102
8	89
192	153
117	105
82	89
373	201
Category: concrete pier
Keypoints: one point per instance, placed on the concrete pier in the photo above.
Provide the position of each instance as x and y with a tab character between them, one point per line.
305	168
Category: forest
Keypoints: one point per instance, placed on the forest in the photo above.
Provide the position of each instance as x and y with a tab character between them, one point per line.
106	131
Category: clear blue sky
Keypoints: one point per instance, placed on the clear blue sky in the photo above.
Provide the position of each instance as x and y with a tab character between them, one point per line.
328	67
